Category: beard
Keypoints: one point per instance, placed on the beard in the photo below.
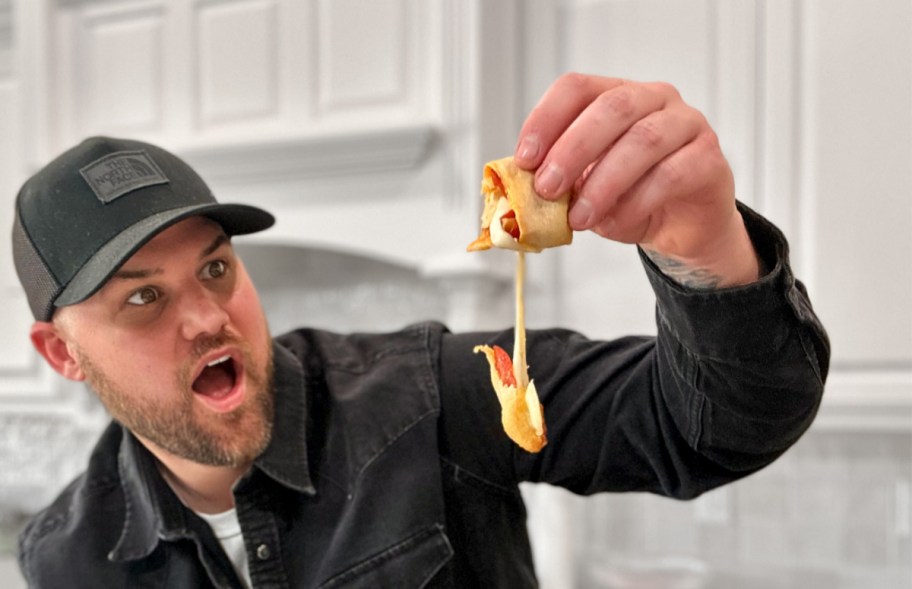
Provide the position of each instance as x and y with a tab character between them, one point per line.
180	426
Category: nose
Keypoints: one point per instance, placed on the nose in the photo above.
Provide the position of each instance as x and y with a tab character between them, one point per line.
201	314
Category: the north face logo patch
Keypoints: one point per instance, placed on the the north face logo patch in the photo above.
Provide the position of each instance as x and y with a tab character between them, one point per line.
118	173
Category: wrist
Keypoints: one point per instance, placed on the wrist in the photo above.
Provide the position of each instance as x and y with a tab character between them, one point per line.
728	260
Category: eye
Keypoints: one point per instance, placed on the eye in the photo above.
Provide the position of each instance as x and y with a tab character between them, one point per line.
215	269
143	296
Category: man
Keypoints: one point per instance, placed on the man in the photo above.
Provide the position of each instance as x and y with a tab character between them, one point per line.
323	460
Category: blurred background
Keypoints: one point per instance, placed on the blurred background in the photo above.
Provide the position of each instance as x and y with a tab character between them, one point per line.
363	124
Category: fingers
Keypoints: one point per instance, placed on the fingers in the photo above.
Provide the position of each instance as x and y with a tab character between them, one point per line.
693	169
642	146
608	117
607	139
643	166
581	118
554	113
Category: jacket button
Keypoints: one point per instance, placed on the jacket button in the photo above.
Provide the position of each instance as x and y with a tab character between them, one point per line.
263	552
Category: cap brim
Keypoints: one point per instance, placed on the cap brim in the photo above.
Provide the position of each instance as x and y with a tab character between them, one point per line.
235	220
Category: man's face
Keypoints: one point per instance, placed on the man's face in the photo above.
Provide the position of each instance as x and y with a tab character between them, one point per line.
177	347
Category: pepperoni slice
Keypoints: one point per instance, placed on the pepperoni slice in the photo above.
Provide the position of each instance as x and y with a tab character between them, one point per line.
504	366
509	224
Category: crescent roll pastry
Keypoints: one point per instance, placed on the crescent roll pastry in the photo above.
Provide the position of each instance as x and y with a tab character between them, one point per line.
522	416
515	216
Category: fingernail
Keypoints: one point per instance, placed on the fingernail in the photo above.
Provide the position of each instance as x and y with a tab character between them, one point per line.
580	216
549	180
527	150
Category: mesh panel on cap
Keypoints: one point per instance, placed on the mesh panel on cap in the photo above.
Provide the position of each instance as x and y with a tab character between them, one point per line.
40	286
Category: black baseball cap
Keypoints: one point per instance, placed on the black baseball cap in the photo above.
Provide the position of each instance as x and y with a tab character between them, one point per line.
84	214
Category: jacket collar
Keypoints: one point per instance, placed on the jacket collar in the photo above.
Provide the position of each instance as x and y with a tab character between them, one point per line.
285	458
152	511
149	506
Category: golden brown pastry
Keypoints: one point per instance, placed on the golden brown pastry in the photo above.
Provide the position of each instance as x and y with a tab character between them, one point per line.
515	216
522	416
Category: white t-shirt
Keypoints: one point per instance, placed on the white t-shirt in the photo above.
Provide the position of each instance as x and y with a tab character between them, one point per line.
227	529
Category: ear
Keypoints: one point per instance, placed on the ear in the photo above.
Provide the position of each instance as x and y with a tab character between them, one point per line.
52	345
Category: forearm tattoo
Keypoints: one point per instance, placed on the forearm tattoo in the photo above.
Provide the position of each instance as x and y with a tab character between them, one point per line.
687	276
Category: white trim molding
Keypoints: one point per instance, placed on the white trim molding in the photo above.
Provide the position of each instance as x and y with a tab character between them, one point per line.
310	156
867	400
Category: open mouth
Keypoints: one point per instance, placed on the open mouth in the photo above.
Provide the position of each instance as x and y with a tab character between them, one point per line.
218	378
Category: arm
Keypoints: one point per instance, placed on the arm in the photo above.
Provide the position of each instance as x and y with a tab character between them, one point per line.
733	379
736	372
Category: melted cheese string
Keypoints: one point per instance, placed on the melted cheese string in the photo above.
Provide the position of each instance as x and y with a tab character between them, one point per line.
520	369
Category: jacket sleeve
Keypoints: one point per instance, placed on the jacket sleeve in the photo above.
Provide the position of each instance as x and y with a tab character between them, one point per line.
732	379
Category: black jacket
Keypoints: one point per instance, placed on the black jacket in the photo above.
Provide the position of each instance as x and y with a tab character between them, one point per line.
389	468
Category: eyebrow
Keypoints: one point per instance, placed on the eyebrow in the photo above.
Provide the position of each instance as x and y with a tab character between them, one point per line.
218	242
122	274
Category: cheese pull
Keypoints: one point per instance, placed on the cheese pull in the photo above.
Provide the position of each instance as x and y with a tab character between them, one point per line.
515	217
522	416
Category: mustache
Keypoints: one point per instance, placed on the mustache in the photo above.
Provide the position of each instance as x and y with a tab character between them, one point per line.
206	343
202	346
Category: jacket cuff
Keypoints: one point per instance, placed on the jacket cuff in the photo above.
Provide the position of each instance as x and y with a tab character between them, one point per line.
737	322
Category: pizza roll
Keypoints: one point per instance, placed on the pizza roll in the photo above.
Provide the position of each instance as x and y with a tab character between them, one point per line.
515	216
